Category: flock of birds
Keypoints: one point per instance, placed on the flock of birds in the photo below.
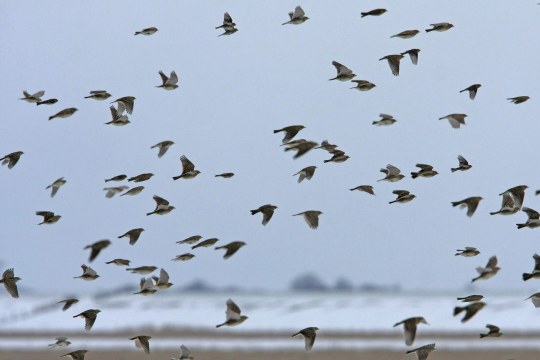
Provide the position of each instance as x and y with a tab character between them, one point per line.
512	199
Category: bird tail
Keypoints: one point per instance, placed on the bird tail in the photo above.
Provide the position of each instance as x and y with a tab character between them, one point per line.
138	32
363	14
253	212
482	336
526	276
177	177
326	161
460	298
414	175
298	333
494	213
455	203
428	30
150	213
409	351
51	117
519	226
458	309
220	325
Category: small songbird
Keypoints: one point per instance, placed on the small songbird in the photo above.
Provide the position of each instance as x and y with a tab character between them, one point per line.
468	251
338	156
47	102
111	191
48	217
34	98
147	287
535	274
10	282
533	220
162	206
325	145
440	27
233	315
127	102
168	83
96	248
489	271
134	191
119	262
508	206
518	99
61	341
407	34
56	185
392	173
365	188
143	270
89	316
68	303
141	177
11	159
413	54
471	203
205	243
142	341
463	164
296	17
98	95
385	120
231	248
190	240
118	116
343	72
183	257
518	194
409	327
133	235
121	177
88	273
163	146
267	211
226	175
425	171
185	354
227	21
311	217
473	89
470	310
162	282
306	173
494	331
393	62
188	169
76	355
403	196
374	12
301	147
363	85
148	31
63	113
309	334
535	298
290	132
455	120
471	298
422	352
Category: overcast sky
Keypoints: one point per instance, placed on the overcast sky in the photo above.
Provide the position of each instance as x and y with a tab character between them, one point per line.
233	92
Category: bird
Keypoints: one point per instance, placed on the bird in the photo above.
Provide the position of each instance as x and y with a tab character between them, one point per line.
455	120
183	257
407	34
290	132
88	273
231	248
143	270
300	146
47	102
463	164
508	206
518	99
425	171
63	113
48	217
89	316
226	175
188	169
413	54
473	89
76	355
535	274
338	156
34	98
267	211
121	177
518	194
190	240
363	85
142	341
134	191
494	331
141	177
298	16
68	303
471	298
133	235
11	159
374	12
185	353
422	352
471	203
96	248
147	287
61	341
118	116
162	206
533	220
343	72
227	21
98	95
535	299
309	334
148	31
365	188
311	217
489	271
468	251
393	62
127	102
306	173
325	145
119	262
409	327
163	146
112	191
205	243
56	185
168	83
470	310
403	196
10	282
162	282
233	315
392	173
440	27
385	120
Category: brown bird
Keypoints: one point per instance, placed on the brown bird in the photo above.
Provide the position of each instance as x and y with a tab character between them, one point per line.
61	341
290	132
141	341
63	113
127	101
68	303
188	169
34	98
89	316
494	331
413	54
343	72
148	31
407	34
117	178
76	355
473	89
183	257
162	282
363	85
470	310
422	352
385	120
518	99
57	184
455	120
440	27
227	21
231	248
325	145
226	175
162	206
11	159
143	270
10	282
409	327
301	147
403	196
141	177
469	251
533	220
309	334
233	315
98	95
311	217
306	173
518	194
392	173
535	274
168	82
267	211
119	262
393	62
463	164
47	102
147	287
96	248
134	191
365	188
48	217
296	17
374	12
425	171
471	298
489	271
163	146
88	273
112	191
133	235
190	240
338	156
471	203
205	243
508	206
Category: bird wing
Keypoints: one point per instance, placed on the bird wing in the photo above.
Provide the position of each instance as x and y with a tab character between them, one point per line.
90	319
394	65
410	332
312	219
414	57
160	201
9	283
163	277
88	270
533	214
453	122
173	79
164	77
38	94
184	352
298	13
492	263
493	328
341	69
508	202
233	311
187	165
400	193
309	340
267	215
392	170
227	19
462	161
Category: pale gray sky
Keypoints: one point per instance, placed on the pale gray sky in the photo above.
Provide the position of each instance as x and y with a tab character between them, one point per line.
233	92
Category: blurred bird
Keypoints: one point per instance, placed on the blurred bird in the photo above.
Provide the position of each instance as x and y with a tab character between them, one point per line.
471	203
471	298
392	173
133	235
309	334
68	303
185	353
393	62
183	257
469	251
363	85
47	102
56	185
119	262
10	282
440	27
422	352
409	327
413	54
536	271
231	248
190	240
168	83
311	217
233	315
34	98
473	89
325	145
127	102
61	341
385	120
63	113
162	282
455	120
117	114
494	331
300	146
365	188
205	243
463	164
188	169
407	34
117	178
88	273
142	341
425	171
343	72
267	211
11	159
535	298
306	173
96	248
98	95
374	12
134	191
296	17
489	271
518	99
111	191
89	316
76	355
290	132
533	220
403	196
48	217
147	287
162	206
143	270
338	156
163	147
148	31
141	177
225	175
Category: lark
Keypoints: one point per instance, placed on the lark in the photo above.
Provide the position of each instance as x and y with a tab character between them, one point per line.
148	31
68	303
134	191
290	132
231	248
119	262
233	315
301	147
162	206
142	341
407	34
385	120
374	12
133	235
267	211
89	316
393	62
10	282
183	257
185	354
489	271
533	220
409	327
425	171
306	173
444	26
190	240
403	196
463	164
112	191
343	72
48	217
311	218
168	82
535	299
163	146
61	341
98	95
338	156
296	17
455	120
413	54
143	270
141	177
468	251
57	184
162	282
76	355
63	113
205	243
363	85
47	102
392	173
518	194
518	99
118	116
309	334
88	274
422	352
473	89
147	287
188	169
494	331
365	188
535	274
471	298
33	98
226	175
471	203
121	177
127	102
96	248
11	159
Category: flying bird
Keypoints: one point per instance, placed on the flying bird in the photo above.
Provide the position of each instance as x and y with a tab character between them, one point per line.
226	175
205	243
494	331
409	327
518	194
535	299
76	355
168	82
231	248
141	177
363	85
148	31
89	316
533	220
455	120
162	282
11	159
47	102
301	147
163	146
338	156
489	271
403	196
119	262
10	282
185	354
311	217
365	188
32	98
407	34
290	132
96	248
296	17
392	174
470	310
471	203
133	235
112	191
183	257
343	72
393	62
306	173
425	171
143	270
142	341
190	240
188	169
233	315
413	54
121	177
473	89
134	191
162	206
61	341
309	334
88	273
63	113
127	102
440	27
227	21
374	12
147	287
471	298
56	185
267	211
98	95
48	217
68	303
422	352
535	274
518	99
385	120
463	164
117	114
469	251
